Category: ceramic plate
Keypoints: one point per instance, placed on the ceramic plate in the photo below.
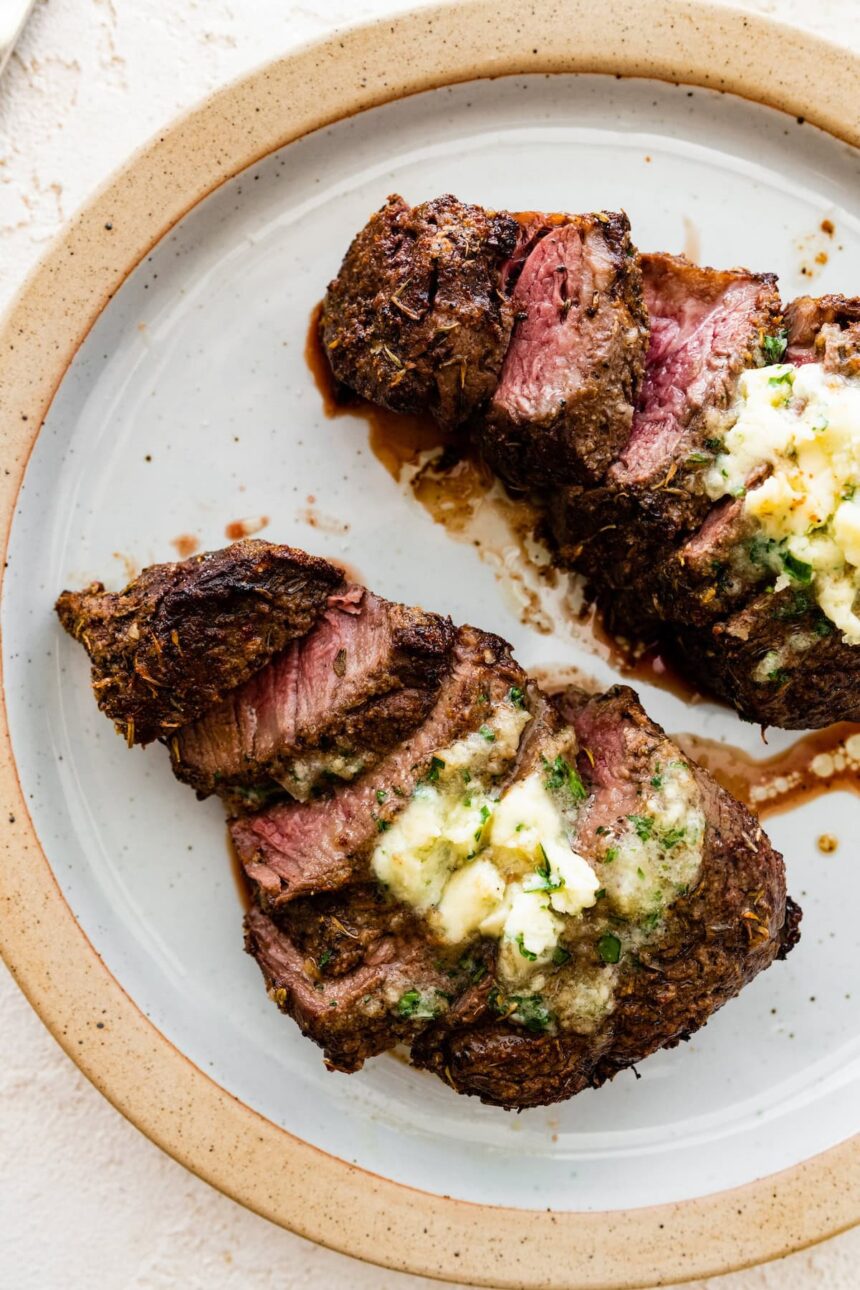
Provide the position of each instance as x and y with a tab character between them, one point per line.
189	406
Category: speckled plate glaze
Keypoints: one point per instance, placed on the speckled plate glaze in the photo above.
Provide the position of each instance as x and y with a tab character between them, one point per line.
144	403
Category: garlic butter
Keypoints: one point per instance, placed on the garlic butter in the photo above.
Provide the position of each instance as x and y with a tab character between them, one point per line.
803	424
476	862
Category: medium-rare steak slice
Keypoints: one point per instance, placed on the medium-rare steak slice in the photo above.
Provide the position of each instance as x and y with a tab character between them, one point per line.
292	849
770	585
707	326
364	677
563	407
180	636
638	979
691	905
415	319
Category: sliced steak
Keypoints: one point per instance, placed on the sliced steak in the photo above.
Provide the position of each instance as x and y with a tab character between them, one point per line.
180	636
348	967
706	327
691	902
293	849
415	320
563	407
333	702
731	925
778	661
819	327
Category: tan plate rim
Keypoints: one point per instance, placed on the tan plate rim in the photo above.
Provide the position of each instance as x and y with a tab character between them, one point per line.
85	1008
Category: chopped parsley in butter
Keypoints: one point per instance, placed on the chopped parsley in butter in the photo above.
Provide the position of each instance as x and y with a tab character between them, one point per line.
803	424
477	862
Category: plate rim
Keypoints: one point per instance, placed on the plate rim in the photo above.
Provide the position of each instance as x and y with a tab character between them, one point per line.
137	1068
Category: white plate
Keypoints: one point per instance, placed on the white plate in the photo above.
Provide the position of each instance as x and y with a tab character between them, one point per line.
190	406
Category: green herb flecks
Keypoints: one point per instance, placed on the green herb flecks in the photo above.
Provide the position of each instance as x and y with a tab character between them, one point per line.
643	825
526	953
609	947
561	775
773	347
796	569
420	1007
531	1011
436	764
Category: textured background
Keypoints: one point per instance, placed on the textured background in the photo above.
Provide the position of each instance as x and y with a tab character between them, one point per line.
86	1201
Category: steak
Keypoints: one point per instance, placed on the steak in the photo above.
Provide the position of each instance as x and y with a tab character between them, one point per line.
366	674
617	445
818	330
342	965
415	319
563	407
706	327
691	903
531	326
778	661
716	938
180	636
291	849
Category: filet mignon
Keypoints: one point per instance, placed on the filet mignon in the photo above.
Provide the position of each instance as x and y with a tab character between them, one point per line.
291	849
621	449
691	899
706	327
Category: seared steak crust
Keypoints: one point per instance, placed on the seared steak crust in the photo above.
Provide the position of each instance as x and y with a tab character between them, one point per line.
563	407
181	635
778	661
340	964
415	320
358	683
818	327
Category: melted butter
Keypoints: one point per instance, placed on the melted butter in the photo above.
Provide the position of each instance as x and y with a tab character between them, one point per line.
820	762
802	424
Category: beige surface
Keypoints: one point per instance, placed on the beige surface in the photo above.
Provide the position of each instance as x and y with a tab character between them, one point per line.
178	1209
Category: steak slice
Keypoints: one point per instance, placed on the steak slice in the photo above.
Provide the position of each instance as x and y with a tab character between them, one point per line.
180	636
729	926
348	967
414	320
563	407
825	330
778	661
294	849
364	677
707	325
